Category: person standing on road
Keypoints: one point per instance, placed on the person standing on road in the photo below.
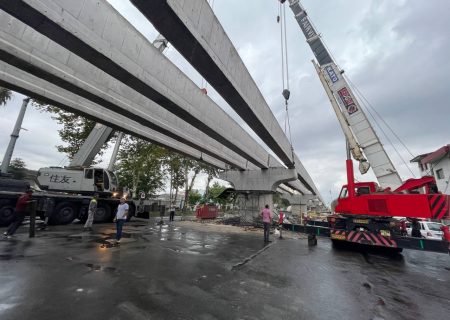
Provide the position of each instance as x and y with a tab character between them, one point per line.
19	213
267	218
415	229
91	213
172	212
121	217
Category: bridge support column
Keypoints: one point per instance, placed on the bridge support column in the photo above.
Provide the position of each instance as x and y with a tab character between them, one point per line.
298	203
256	188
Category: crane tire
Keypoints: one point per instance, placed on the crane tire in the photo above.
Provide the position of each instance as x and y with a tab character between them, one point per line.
6	212
64	213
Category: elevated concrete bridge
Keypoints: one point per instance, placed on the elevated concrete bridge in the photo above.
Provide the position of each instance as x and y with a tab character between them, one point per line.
109	94
91	52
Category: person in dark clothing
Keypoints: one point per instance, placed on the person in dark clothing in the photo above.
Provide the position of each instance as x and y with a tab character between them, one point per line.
415	229
172	212
19	213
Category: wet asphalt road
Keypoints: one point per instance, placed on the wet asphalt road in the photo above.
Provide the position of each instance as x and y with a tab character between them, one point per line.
187	270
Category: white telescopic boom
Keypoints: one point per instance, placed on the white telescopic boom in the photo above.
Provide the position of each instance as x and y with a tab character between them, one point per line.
353	144
361	129
14	136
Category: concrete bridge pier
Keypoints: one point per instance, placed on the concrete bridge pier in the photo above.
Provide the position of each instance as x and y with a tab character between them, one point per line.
298	203
255	188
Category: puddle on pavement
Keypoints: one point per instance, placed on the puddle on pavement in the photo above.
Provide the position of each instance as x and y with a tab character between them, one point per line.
97	268
11	256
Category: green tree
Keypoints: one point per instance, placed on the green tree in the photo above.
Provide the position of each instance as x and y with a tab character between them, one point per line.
139	166
189	165
17	168
212	173
214	191
175	166
75	129
5	96
194	197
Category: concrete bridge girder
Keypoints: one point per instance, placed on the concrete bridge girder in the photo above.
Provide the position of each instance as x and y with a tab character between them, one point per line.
27	84
193	28
110	92
258	181
98	34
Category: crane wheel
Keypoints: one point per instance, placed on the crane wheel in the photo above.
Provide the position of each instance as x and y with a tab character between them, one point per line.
103	213
64	213
6	212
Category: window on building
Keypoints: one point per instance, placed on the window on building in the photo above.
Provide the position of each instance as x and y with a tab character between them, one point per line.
440	174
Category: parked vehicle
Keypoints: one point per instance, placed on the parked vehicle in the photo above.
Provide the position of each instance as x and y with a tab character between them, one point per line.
428	230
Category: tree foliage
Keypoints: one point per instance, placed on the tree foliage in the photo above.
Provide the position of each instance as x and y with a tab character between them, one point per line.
212	173
194	197
17	168
214	191
175	168
75	129
140	166
5	96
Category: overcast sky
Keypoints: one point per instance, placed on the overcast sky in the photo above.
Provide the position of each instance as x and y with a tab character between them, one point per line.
395	51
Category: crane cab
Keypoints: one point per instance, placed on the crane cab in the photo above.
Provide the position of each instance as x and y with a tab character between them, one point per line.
77	180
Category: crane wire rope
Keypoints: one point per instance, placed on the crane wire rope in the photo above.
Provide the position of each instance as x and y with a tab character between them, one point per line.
281	19
379	116
366	105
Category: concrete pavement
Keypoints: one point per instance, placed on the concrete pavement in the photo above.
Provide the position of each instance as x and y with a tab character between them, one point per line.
188	270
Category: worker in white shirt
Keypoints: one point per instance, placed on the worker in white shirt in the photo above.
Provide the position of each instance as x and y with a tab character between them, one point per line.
121	217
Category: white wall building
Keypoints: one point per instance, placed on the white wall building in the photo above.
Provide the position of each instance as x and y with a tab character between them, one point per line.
437	164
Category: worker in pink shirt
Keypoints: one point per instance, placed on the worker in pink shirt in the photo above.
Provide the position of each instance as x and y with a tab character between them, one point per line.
267	219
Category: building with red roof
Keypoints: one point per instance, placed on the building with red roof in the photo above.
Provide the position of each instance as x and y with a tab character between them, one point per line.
437	164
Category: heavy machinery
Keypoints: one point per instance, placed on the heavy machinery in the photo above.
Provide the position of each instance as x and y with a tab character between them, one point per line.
64	193
365	211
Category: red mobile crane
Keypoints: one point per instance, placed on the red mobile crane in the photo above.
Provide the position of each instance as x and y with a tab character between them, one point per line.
365	211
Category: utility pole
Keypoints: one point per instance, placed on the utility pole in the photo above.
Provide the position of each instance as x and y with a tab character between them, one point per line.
14	135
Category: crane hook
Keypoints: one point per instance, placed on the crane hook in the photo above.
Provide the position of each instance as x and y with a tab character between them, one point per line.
286	94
